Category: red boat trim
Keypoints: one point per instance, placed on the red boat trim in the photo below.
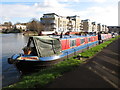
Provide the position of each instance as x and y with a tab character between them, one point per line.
28	58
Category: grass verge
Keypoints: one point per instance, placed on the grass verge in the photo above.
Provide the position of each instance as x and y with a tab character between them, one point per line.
92	51
45	76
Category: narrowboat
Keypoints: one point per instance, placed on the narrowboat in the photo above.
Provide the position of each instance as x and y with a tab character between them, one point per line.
47	50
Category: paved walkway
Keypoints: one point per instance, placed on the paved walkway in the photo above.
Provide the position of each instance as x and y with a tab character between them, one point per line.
99	72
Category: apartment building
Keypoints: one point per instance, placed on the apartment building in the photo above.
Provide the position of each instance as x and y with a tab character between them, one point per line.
74	23
50	22
94	27
106	28
87	25
103	28
81	26
62	24
99	27
55	23
114	29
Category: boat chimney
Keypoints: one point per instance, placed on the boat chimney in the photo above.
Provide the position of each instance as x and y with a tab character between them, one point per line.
61	34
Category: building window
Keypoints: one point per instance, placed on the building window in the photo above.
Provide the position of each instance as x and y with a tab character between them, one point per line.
72	43
88	39
82	41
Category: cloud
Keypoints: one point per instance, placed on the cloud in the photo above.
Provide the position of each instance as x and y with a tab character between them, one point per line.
100	1
38	0
33	11
49	3
17	10
106	15
69	0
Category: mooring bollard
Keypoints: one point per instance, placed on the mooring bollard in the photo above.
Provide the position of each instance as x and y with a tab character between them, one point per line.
79	57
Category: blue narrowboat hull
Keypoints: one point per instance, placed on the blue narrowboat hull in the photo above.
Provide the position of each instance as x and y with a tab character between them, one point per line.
25	65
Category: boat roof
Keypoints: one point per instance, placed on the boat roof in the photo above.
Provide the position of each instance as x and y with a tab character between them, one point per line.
44	37
54	37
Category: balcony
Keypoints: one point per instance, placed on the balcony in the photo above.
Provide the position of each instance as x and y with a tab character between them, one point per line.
54	26
52	21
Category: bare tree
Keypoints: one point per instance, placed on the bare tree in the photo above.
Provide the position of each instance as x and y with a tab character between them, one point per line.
34	25
8	23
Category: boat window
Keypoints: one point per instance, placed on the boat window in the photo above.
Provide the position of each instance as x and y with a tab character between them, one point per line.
82	41
94	39
72	43
88	39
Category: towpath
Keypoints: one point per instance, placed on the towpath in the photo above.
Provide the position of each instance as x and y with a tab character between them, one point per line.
102	71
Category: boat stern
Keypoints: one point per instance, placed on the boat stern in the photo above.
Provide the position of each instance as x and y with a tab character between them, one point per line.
12	60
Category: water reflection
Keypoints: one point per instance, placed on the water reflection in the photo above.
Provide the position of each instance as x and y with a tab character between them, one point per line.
11	44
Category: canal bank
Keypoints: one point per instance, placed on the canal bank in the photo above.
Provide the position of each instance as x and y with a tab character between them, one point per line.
101	71
38	80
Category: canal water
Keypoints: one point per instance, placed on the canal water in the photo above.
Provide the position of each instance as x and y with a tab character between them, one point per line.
11	44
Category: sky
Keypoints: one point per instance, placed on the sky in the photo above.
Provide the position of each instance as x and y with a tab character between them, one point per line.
100	11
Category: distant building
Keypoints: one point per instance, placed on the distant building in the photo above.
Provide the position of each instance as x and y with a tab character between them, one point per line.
106	29
50	22
5	27
75	22
103	28
87	25
2	27
19	26
94	27
99	27
114	29
62	24
55	23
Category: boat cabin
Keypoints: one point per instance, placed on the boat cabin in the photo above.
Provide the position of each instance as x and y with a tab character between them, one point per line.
42	46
